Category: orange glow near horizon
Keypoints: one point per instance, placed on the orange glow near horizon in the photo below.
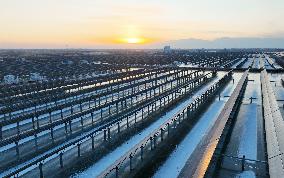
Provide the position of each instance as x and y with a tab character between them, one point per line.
134	40
131	40
126	23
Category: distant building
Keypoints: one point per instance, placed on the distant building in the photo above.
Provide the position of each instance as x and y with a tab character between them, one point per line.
167	49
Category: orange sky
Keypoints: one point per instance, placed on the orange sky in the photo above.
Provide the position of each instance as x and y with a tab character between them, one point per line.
89	23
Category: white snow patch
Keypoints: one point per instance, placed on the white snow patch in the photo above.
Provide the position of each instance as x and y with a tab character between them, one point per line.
246	174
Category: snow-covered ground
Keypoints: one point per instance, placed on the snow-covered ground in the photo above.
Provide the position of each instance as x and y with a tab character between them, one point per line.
52	104
139	115
246	174
247	121
175	162
110	158
247	63
61	126
235	65
29	138
187	65
247	135
66	111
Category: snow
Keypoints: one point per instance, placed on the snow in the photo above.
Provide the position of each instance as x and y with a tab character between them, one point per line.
228	90
248	63
57	112
110	158
187	65
147	131
39	156
244	138
253	89
6	147
7	127
246	174
24	140
248	136
51	104
235	65
177	159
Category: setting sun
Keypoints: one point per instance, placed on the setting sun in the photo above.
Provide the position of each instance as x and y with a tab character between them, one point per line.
134	40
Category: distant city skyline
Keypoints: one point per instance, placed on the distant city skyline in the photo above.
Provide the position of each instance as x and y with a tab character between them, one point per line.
136	24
